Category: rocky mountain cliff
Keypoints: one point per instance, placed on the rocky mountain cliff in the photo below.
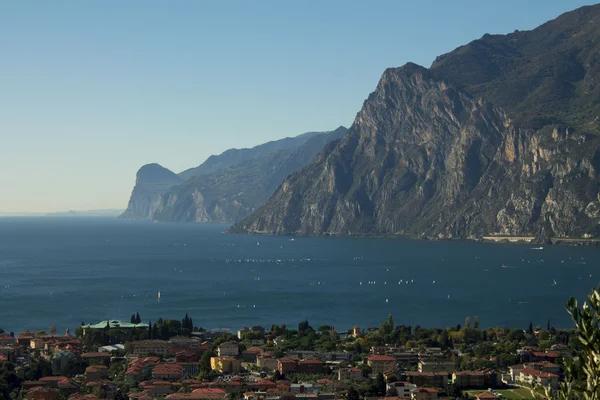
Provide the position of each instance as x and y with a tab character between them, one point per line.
498	136
150	180
240	181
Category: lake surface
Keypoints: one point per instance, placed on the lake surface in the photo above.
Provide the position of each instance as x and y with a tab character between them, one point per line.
64	271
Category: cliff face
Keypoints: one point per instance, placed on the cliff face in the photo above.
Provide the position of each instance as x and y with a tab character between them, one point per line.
428	157
150	180
232	192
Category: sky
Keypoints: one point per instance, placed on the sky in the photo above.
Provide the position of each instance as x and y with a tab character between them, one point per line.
92	90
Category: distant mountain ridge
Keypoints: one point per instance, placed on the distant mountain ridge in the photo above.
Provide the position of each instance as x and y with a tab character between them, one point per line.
226	187
500	136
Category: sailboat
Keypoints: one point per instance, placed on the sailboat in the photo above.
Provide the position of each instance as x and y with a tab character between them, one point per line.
158	296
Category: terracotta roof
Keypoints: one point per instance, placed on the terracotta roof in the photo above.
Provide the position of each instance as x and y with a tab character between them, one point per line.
311	361
535	372
95	355
53	378
426	390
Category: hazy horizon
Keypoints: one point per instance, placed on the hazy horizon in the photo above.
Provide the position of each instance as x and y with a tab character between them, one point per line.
92	91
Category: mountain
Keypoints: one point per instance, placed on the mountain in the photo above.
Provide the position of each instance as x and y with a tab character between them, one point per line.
233	157
498	137
244	180
150	180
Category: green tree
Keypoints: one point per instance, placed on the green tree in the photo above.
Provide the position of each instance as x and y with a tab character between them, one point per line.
52	329
205	362
530	328
467	322
352	394
476	322
587	322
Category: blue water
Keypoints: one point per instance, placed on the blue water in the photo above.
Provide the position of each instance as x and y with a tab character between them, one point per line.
64	271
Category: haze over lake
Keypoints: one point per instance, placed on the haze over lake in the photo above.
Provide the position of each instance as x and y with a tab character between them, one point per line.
65	271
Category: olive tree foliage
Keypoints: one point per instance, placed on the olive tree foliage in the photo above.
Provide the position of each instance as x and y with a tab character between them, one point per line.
582	375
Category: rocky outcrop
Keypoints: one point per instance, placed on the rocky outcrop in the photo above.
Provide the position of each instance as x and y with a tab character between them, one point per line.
489	140
151	180
230	193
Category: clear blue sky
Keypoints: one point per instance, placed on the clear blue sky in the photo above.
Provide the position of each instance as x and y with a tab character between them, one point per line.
92	90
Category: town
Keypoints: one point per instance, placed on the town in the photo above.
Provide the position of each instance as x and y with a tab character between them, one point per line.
176	360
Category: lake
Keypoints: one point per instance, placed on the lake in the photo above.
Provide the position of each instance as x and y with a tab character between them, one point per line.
64	271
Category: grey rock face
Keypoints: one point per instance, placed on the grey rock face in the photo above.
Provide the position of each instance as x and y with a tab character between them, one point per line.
426	159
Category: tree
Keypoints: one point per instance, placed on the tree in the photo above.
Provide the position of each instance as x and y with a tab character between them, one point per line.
52	329
138	320
587	323
352	394
132	319
380	385
476	322
530	328
548	325
205	362
467	322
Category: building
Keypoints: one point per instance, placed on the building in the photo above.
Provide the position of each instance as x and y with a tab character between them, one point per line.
251	353
430	379
113	324
96	373
469	379
534	377
228	349
267	361
96	356
350	374
258	330
225	365
167	372
287	365
437	366
403	389
143	348
381	363
7	340
24	338
424	394
356	331
310	366
515	372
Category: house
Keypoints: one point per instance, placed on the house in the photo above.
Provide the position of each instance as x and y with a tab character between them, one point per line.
228	349
167	372
7	340
305	388
431	379
469	379
52	381
547	356
287	365
515	371
186	356
41	393
350	374
143	348
381	363
267	361
534	377
424	394
96	356
106	387
96	373
310	366
225	364
437	366
257	330
251	353
403	389
24	338
486	396
544	366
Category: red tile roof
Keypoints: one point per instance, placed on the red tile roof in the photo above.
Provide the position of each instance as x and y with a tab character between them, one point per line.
535	372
